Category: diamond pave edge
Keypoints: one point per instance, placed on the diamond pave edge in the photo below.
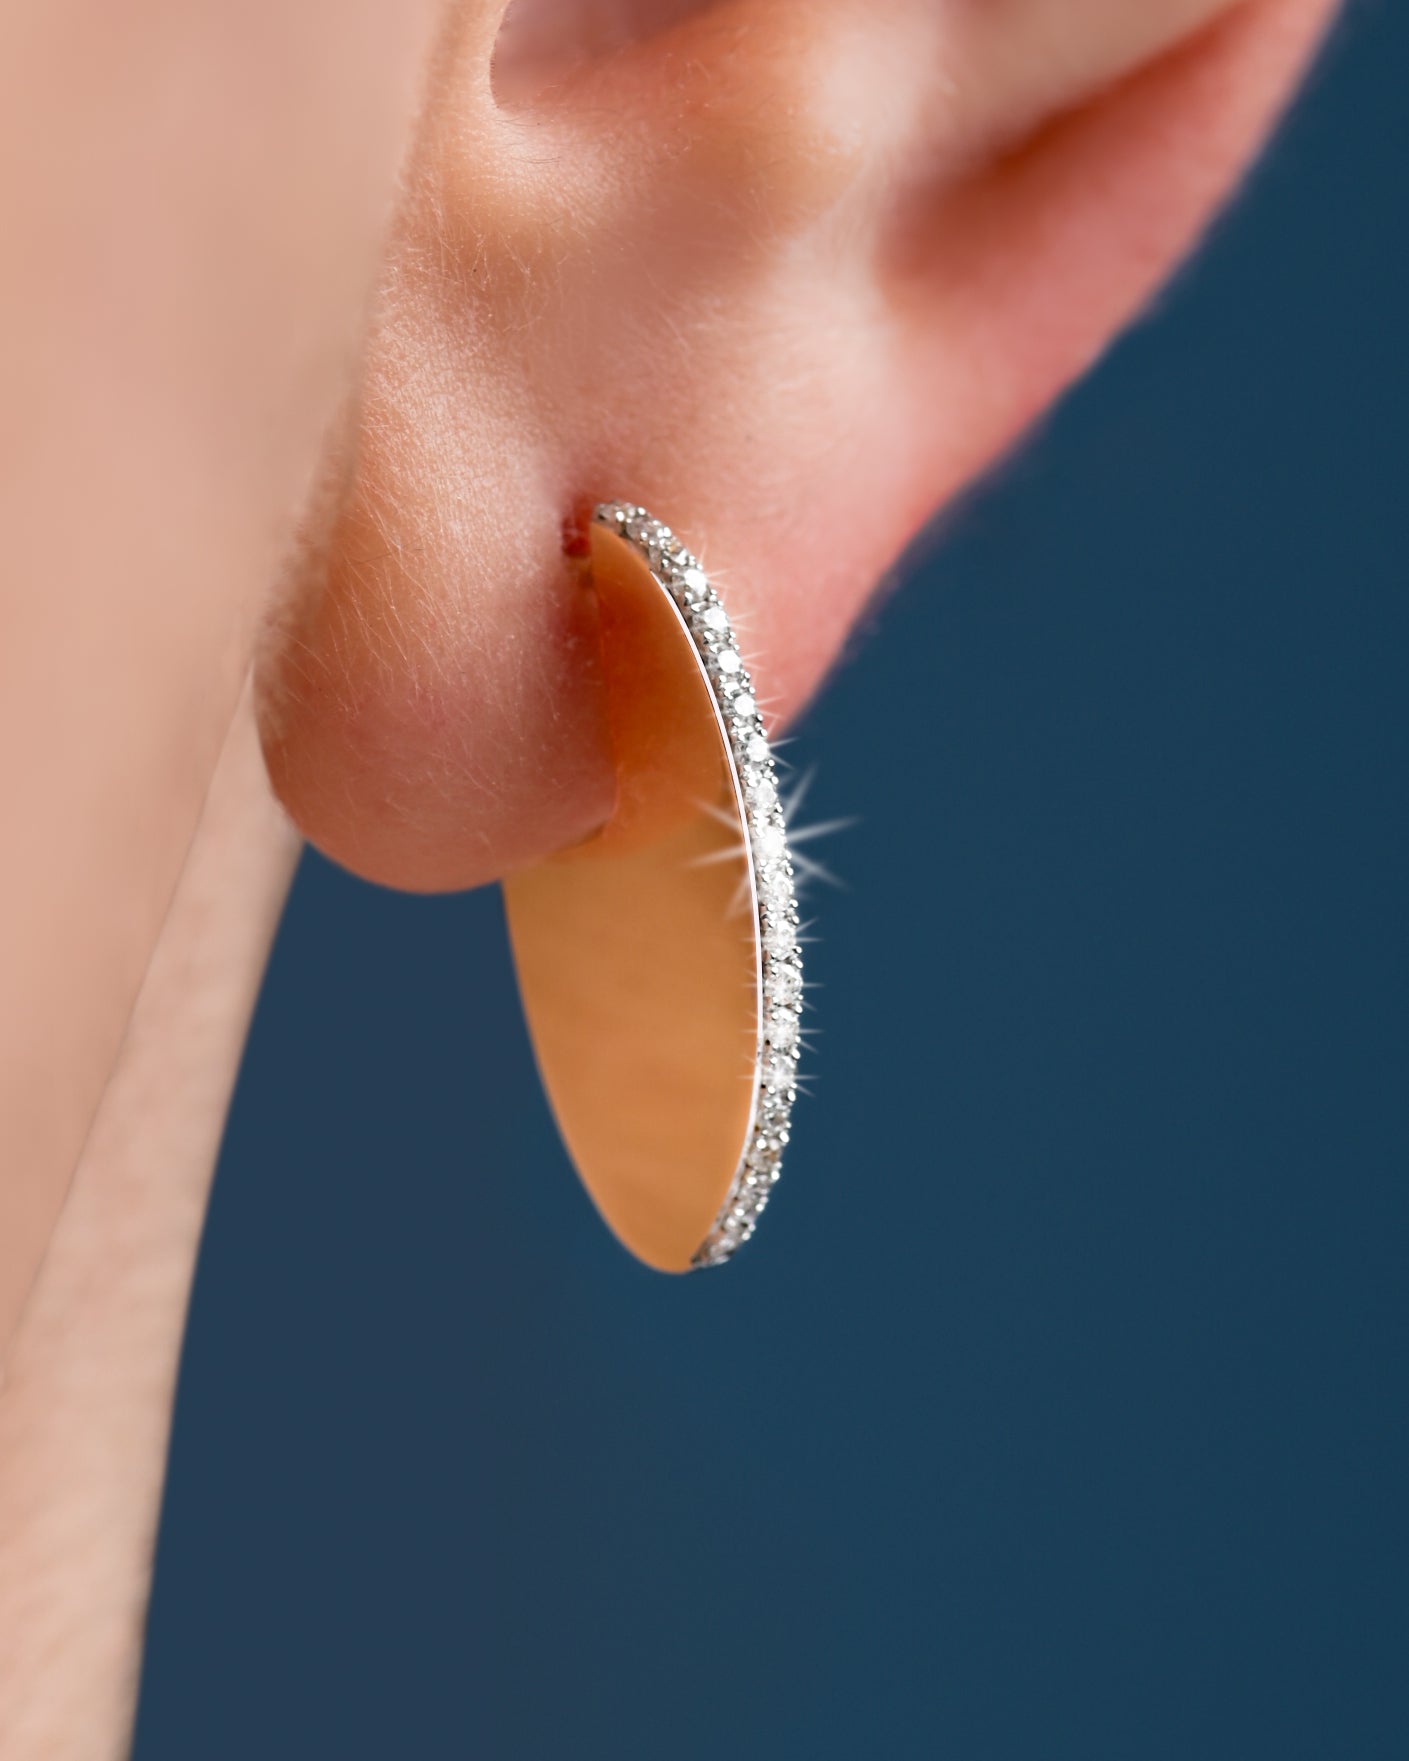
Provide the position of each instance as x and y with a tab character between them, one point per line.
766	834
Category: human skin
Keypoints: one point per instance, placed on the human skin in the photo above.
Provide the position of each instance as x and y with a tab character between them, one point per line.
175	330
787	271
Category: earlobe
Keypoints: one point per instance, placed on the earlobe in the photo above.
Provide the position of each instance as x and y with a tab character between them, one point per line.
758	269
614	294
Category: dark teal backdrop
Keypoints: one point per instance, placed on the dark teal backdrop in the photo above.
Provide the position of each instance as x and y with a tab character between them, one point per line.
1059	1409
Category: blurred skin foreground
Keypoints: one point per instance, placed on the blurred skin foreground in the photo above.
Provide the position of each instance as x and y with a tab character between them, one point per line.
311	393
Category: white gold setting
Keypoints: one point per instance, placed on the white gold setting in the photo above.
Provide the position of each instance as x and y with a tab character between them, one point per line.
770	863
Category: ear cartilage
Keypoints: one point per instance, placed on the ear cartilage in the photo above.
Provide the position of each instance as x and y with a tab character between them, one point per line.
659	963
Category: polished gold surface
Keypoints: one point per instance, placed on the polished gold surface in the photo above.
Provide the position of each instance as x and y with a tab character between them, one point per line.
637	952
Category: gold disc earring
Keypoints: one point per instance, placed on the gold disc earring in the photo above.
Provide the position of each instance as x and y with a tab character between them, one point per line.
658	962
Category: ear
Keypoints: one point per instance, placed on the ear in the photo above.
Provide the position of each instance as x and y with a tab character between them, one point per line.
786	272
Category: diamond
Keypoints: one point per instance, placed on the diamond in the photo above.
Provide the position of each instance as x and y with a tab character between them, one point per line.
780	939
785	984
757	749
775	889
744	706
728	661
762	793
772	1124
782	1031
770	841
779	1069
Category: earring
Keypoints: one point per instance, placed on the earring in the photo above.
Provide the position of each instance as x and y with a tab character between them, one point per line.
658	962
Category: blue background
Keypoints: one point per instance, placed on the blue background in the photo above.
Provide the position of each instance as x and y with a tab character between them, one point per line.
1058	1409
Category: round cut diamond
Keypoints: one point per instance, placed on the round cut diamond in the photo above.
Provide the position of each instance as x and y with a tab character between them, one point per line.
779	1070
775	893
770	841
780	939
783	1030
785	984
762	793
